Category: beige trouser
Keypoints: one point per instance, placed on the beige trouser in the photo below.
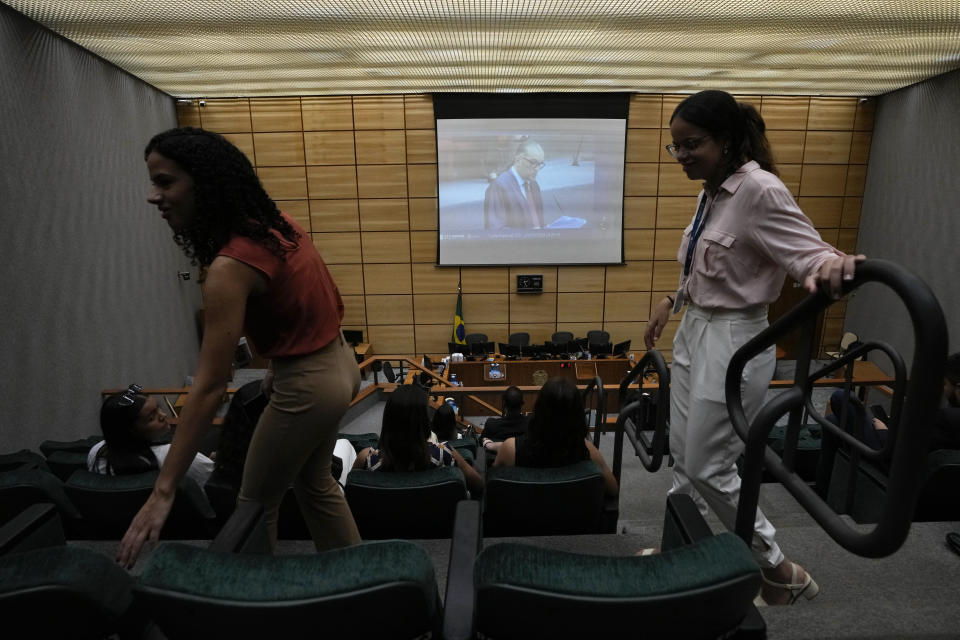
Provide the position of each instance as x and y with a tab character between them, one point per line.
703	443
294	440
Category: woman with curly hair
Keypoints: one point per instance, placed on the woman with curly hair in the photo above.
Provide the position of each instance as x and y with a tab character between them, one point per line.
264	280
556	435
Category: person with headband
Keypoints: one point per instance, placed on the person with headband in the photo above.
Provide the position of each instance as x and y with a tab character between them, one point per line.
136	438
746	236
266	281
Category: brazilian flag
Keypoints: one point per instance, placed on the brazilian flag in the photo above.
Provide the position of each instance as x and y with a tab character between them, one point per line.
459	329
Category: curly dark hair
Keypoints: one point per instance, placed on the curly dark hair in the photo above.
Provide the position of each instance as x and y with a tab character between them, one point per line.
718	113
227	193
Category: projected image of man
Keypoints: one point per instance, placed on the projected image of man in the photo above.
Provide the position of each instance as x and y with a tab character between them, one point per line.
513	201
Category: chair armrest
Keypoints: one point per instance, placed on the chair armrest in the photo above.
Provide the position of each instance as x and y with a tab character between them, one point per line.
464	547
244	532
35	527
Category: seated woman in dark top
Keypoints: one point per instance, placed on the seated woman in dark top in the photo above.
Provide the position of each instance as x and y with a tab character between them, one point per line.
404	442
556	435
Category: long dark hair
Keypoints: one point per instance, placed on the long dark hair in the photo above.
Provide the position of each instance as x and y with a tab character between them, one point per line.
405	430
445	423
228	195
720	115
559	422
124	449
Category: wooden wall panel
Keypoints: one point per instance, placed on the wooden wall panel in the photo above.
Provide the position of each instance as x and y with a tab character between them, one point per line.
428	278
276	114
337	248
423	214
333	113
359	173
284	183
639	212
533	308
390	309
418	111
632	276
381	147
423	246
349	277
483	308
332	182
334	215
571	279
378	112
226	115
329	147
387	278
383	214
437	308
580	307
385	246
283	149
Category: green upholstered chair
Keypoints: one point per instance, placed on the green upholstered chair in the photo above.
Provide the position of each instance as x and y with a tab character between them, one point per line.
413	505
21	488
23	459
109	503
63	463
59	591
520	501
373	590
80	445
361	441
701	590
938	495
699	586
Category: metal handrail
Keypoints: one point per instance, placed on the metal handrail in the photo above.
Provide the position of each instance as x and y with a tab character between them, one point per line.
920	399
600	401
625	424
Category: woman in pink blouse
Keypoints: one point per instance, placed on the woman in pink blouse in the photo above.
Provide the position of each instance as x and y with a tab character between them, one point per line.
747	235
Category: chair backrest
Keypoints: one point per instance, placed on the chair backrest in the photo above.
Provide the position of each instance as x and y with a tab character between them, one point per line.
701	590
598	336
415	505
81	445
521	501
50	590
476	337
520	339
561	337
24	487
354	592
63	463
109	503
388	372
23	459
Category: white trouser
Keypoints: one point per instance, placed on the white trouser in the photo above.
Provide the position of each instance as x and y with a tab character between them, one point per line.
703	443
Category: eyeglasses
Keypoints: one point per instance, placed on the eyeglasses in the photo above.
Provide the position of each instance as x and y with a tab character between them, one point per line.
688	145
130	395
534	163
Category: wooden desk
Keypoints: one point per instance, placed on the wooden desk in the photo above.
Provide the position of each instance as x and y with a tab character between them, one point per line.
520	373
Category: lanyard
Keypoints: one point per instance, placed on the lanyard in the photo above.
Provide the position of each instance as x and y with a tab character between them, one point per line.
698	224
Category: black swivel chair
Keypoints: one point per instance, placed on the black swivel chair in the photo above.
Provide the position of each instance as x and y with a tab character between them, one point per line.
519	339
598	337
562	338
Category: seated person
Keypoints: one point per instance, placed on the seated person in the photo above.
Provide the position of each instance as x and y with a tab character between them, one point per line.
136	438
445	424
404	444
512	424
556	435
946	427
